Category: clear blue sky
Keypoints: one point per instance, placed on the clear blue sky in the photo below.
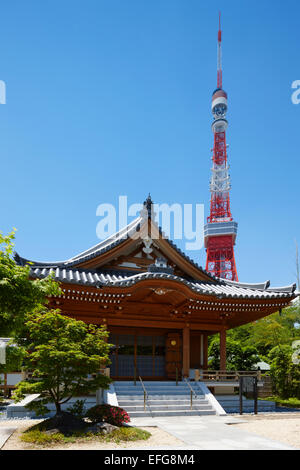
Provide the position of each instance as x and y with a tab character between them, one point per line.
109	98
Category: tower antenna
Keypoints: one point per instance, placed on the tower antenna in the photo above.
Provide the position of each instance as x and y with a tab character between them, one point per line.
221	230
219	70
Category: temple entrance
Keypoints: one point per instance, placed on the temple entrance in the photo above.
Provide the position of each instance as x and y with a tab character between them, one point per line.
137	354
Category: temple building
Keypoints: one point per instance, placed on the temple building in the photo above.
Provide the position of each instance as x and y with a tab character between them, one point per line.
159	306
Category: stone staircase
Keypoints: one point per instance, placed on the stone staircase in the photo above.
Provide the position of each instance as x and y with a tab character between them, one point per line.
164	399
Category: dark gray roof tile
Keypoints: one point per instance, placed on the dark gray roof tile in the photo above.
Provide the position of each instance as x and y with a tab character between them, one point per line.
220	289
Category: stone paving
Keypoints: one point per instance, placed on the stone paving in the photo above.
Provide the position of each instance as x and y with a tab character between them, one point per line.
196	433
211	433
5	433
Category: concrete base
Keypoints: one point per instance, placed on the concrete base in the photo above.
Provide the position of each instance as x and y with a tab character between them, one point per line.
19	410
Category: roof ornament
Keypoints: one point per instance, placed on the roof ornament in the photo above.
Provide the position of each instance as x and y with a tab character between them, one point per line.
160	266
147	242
147	210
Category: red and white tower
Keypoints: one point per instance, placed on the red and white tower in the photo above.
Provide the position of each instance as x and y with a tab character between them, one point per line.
221	230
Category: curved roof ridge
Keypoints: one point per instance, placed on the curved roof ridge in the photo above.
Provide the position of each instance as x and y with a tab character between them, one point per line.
22	261
285	289
114	239
247	285
190	260
119	236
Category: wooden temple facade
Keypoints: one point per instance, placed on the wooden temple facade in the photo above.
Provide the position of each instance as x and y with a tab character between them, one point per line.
158	305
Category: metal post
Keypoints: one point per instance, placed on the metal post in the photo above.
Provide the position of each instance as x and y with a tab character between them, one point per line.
5	389
241	394
135	375
144	400
191	400
255	394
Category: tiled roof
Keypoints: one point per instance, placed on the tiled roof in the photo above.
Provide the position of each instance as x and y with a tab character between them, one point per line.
68	272
108	244
220	289
96	250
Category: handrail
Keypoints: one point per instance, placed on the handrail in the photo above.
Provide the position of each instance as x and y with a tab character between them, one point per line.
136	371
185	379
192	392
145	392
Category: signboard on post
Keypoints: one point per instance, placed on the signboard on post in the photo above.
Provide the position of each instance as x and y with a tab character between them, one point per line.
248	384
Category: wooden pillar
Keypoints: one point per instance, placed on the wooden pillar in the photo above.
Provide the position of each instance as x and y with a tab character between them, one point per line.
205	352
186	351
201	351
223	350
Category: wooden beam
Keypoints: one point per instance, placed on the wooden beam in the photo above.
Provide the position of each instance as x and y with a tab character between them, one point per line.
98	320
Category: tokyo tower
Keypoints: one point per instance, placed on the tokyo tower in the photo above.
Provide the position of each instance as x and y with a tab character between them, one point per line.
221	230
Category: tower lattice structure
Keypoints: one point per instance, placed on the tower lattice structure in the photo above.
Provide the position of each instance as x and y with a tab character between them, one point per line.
221	230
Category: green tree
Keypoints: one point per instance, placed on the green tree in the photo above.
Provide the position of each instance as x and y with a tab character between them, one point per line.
14	359
268	332
284	372
238	357
65	356
19	295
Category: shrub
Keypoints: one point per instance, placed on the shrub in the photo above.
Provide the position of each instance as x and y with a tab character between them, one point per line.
78	409
39	437
284	373
129	434
42	438
110	414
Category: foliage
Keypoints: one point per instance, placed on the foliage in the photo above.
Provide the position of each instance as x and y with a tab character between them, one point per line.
284	373
65	356
42	438
124	434
270	331
19	295
14	359
110	414
130	434
286	402
78	408
238	357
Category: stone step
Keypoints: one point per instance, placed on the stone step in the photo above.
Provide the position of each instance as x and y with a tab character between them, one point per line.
166	393
136	414
167	389
176	408
159	397
163	399
155	390
138	385
161	402
152	383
